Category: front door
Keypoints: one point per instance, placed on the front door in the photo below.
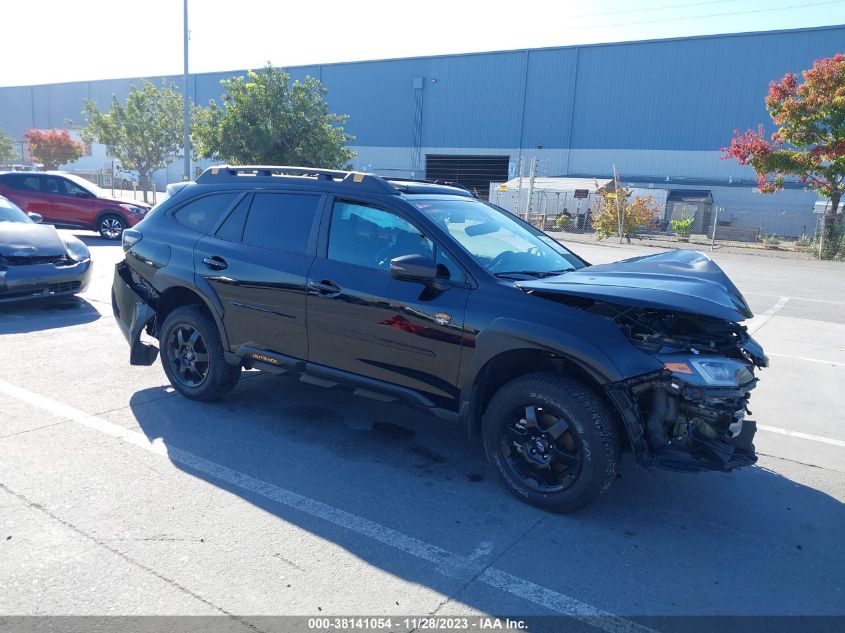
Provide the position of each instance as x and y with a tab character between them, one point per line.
257	262
364	321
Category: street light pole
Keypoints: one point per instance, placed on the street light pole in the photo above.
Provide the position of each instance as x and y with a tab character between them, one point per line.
186	108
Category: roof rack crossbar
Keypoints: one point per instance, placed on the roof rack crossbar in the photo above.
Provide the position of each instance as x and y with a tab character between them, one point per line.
301	175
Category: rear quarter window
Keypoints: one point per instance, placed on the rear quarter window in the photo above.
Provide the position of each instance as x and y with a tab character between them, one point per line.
202	214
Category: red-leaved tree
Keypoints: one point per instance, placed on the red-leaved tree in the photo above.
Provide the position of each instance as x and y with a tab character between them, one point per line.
809	142
52	148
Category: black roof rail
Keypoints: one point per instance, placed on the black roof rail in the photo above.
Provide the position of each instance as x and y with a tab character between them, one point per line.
300	175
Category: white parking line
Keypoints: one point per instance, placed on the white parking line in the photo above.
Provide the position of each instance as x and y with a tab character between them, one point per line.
445	561
835	363
766	294
803	436
760	320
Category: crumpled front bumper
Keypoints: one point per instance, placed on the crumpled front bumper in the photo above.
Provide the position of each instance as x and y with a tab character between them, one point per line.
132	313
39	281
682	427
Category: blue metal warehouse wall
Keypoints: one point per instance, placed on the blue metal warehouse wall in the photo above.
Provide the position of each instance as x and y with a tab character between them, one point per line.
655	108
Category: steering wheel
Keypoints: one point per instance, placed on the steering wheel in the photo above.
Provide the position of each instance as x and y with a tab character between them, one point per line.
500	259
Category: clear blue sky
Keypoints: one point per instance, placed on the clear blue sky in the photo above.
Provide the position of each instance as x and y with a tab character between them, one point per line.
46	41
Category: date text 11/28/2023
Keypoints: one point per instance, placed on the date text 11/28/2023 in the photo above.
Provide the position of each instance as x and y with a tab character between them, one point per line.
426	623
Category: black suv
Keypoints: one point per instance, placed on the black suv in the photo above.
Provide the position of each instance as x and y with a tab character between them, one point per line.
422	293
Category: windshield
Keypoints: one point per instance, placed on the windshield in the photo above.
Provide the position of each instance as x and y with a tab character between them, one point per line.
9	212
500	242
87	185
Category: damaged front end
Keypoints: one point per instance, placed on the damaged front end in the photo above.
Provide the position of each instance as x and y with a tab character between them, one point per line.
691	415
133	310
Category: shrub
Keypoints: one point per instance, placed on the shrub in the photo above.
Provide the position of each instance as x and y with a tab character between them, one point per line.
562	222
682	226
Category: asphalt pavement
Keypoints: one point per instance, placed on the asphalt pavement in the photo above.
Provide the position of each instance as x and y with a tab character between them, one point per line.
119	497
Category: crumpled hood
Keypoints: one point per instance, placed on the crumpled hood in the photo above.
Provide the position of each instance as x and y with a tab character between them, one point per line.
22	239
685	281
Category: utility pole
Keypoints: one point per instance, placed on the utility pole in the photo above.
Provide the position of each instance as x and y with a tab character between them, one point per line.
186	106
619	216
519	168
531	175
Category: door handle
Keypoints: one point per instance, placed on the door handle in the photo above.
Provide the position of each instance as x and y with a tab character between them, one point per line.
215	263
325	288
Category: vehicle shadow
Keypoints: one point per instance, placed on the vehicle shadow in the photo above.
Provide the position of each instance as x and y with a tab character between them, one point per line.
34	315
93	239
700	540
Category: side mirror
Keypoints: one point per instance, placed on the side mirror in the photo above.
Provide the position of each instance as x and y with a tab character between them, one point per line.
413	268
35	217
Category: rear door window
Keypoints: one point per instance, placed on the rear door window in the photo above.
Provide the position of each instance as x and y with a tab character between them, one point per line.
281	221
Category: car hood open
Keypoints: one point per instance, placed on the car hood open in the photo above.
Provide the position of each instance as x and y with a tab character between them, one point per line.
685	281
22	239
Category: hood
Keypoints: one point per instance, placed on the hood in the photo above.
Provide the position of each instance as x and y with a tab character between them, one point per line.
684	281
134	203
22	239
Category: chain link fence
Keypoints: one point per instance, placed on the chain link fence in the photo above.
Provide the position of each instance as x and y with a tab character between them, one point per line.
703	224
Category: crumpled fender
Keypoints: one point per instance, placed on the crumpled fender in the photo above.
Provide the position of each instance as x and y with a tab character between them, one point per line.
615	360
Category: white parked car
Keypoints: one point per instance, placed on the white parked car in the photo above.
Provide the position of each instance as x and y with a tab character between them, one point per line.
123	178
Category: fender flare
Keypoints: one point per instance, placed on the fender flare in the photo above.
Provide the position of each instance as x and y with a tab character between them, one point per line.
506	334
199	286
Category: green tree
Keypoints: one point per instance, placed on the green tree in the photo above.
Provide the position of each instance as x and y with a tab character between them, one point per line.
52	148
809	142
266	119
636	213
144	134
7	150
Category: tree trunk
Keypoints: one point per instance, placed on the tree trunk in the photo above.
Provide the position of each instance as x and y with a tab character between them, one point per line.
832	243
144	178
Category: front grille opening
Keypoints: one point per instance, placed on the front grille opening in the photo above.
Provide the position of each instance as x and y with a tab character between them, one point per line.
66	287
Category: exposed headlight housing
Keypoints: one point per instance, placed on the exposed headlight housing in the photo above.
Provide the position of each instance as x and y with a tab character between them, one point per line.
710	371
135	209
76	248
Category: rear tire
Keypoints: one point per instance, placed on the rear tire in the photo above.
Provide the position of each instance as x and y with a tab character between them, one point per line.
111	226
552	441
192	355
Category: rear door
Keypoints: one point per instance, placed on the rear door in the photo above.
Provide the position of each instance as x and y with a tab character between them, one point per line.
257	262
25	191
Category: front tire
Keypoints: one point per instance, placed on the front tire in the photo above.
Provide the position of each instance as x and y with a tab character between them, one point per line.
111	226
192	355
552	441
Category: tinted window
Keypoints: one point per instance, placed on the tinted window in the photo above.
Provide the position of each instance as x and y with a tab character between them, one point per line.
372	237
281	221
22	183
72	189
203	214
232	228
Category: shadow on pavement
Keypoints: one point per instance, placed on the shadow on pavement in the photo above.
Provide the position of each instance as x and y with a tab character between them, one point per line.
19	317
659	543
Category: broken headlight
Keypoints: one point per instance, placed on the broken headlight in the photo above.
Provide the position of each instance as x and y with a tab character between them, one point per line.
708	371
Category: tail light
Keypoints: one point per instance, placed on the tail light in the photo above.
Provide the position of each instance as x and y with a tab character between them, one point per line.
130	238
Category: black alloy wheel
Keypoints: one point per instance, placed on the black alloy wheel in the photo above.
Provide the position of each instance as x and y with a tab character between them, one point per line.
192	355
188	355
552	440
542	448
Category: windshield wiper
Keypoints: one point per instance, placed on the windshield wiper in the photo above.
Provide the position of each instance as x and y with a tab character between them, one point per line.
539	274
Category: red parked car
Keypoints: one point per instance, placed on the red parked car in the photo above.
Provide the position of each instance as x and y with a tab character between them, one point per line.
69	201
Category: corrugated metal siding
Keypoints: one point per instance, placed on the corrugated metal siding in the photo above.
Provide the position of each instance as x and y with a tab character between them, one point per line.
551	87
687	94
682	94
